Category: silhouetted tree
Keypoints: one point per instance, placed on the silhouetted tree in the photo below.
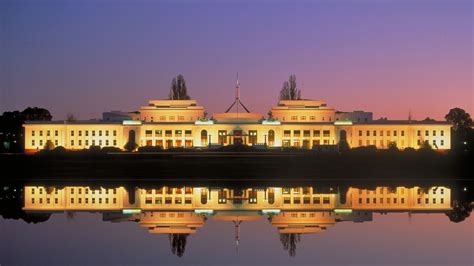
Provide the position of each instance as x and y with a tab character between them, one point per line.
425	145
289	90
178	243
459	118
289	242
36	114
428	119
462	137
392	146
178	90
49	145
459	212
11	135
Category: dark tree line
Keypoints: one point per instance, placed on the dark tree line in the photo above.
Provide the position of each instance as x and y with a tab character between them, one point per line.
11	131
178	243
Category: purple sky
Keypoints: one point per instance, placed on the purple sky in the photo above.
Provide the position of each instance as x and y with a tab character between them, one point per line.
392	239
86	57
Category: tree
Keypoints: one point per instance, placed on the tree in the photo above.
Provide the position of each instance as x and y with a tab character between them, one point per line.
459	118
11	123
130	146
462	133
178	90
36	114
392	146
49	145
289	242
428	119
289	90
425	145
178	243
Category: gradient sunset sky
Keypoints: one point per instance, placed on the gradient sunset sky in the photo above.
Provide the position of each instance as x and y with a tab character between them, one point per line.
387	56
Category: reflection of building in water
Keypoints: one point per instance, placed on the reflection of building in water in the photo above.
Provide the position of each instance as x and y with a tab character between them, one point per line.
182	210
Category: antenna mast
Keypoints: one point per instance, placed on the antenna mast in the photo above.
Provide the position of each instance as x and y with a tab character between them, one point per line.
237	101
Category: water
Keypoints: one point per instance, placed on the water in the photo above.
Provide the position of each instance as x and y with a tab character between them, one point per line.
299	224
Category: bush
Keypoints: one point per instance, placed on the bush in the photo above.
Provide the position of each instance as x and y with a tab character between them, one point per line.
94	148
371	149
111	149
150	149
238	148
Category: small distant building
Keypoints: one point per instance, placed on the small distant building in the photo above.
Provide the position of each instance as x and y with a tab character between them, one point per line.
120	116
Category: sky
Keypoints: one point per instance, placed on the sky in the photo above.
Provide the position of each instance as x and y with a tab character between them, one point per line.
86	57
423	239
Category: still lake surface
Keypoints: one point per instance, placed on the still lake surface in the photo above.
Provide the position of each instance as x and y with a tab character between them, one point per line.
295	224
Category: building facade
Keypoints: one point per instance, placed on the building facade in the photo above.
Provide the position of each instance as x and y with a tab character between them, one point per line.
305	124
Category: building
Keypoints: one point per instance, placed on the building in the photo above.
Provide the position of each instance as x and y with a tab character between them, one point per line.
308	124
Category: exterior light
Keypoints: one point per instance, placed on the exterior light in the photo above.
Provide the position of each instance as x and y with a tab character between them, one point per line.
131	122
343	123
270	122
204	122
465	189
205	212
131	211
271	211
343	211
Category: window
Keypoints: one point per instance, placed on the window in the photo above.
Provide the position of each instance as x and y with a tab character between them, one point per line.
418	133
360	133
442	132
107	133
402	133
312	117
188	133
32	133
72	142
115	142
367	133
72	133
168	133
294	118
162	118
33	142
172	118
87	133
326	200
307	133
426	133
79	142
93	133
48	133
79	133
394	133
388	133
381	133
158	133
434	132
317	133
180	118
100	133
296	133
326	133
253	136
287	133
178	133
222	137
375	133
148	133
114	132
303	118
